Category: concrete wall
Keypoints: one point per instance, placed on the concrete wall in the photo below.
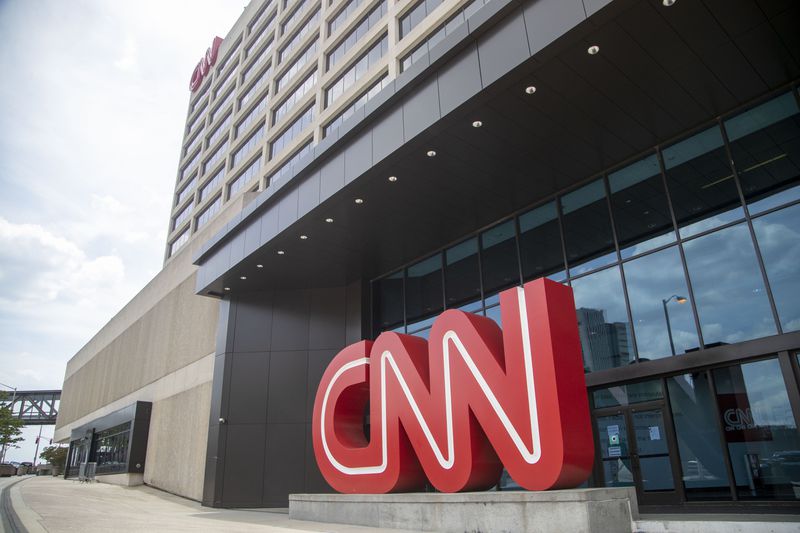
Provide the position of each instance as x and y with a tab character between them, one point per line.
176	450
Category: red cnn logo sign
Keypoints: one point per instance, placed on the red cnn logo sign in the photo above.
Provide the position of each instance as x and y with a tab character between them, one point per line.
205	64
457	408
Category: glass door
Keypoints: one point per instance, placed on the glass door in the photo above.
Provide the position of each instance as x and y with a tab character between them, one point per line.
634	446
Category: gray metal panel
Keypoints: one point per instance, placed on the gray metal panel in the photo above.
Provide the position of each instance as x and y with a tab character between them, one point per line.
421	109
309	194
252	237
269	225
380	98
288	376
327	323
253	326
224	327
486	12
455	36
237	248
315	483
358	157
503	47
459	80
244	464
287	209
284	471
331	176
387	134
547	20
248	388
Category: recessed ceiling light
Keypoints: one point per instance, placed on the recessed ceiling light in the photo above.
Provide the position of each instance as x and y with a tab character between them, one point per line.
667	3
281	252
359	201
242	277
303	237
259	266
431	153
594	49
530	89
329	220
392	178
477	124
227	288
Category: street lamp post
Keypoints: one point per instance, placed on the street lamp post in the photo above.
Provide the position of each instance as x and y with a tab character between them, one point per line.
13	398
664	302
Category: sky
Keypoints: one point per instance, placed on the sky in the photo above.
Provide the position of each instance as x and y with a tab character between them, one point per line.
93	101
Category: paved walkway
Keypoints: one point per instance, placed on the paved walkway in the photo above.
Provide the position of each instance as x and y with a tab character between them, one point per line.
47	504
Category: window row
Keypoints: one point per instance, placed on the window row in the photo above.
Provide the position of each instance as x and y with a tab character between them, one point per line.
245	177
342	16
296	66
252	115
248	146
295	96
357	70
310	24
294	17
220	130
254	88
444	29
212	184
359	102
367	23
208	213
285	170
417	14
262	55
292	131
216	156
222	106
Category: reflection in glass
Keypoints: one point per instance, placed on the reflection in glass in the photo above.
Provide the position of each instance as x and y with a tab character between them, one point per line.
701	183
759	430
387	294
540	242
494	314
652	450
729	292
662	315
462	278
499	263
587	228
424	288
696	429
778	235
619	395
612	434
639	204
602	320
765	145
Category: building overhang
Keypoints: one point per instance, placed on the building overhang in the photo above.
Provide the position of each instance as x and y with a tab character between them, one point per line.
660	71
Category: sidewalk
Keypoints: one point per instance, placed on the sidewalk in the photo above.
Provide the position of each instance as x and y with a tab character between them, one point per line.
47	504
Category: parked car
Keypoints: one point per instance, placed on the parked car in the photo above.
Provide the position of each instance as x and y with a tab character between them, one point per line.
7	469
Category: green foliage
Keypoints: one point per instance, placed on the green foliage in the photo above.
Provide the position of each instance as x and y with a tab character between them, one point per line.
10	427
55	455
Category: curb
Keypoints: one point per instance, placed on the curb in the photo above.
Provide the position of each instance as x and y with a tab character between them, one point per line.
21	517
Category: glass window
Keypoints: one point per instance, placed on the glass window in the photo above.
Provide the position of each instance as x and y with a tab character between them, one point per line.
652	451
759	430
587	228
696	429
424	288
462	278
662	315
639	204
619	395
499	262
602	320
778	235
701	183
765	145
540	242
387	294
728	288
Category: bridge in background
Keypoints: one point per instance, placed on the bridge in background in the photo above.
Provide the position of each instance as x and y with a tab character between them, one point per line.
35	407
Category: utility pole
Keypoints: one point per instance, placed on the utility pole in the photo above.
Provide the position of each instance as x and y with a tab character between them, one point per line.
36	453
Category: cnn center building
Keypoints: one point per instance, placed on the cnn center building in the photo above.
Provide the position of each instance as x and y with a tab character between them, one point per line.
355	167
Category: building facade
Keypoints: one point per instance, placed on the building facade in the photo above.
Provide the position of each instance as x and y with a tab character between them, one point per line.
357	167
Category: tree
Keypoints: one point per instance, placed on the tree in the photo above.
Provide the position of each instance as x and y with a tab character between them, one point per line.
9	427
55	455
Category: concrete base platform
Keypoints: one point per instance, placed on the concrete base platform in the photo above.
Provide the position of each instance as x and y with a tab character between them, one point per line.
124	480
604	510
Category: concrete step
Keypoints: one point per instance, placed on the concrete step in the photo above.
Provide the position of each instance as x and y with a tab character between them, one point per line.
717	524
